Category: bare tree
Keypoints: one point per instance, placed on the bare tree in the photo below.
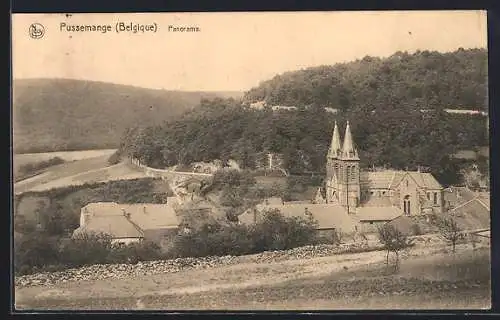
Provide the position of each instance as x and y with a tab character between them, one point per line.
393	241
450	230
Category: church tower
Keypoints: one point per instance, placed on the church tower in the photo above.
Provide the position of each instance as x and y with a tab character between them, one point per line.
333	167
349	190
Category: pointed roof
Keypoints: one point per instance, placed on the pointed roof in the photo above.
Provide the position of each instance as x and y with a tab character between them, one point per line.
349	151
335	145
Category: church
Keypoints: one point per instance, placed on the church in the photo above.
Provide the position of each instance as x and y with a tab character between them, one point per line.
359	201
412	192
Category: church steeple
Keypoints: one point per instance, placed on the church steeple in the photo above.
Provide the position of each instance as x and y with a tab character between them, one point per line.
349	151
335	148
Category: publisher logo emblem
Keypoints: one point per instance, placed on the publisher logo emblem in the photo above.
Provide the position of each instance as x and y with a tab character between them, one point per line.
36	31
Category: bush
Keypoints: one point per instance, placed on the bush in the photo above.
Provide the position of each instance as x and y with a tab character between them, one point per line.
416	230
274	232
33	251
86	249
37	252
450	231
393	241
115	158
34	168
134	252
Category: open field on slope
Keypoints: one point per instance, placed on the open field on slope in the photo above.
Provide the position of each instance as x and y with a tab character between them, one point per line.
430	278
78	172
26	158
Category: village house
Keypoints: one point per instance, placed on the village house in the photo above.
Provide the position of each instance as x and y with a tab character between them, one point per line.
129	223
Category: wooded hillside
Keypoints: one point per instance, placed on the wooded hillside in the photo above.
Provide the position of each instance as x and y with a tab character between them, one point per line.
424	80
224	129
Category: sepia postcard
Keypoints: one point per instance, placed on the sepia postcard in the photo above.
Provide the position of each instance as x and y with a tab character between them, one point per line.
251	161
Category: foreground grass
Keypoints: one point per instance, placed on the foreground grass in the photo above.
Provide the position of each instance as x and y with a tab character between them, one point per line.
425	282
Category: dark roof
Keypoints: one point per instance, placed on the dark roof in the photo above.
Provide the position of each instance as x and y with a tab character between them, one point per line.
457	195
375	201
380	179
377	213
118	226
110	218
472	215
404	224
388	179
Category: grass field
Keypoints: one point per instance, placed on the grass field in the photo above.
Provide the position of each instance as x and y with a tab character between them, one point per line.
27	158
78	172
428	279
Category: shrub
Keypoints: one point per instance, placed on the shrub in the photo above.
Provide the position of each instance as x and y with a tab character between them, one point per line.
134	252
115	158
34	250
416	230
393	241
274	232
85	249
450	231
34	168
333	237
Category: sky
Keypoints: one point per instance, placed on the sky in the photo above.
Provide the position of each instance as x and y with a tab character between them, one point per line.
231	51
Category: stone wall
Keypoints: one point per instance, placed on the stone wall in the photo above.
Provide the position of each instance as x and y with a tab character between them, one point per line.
120	271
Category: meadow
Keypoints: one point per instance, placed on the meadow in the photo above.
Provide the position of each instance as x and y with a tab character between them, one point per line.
429	278
27	158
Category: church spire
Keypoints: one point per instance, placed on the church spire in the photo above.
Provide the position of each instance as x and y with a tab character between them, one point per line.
349	151
335	145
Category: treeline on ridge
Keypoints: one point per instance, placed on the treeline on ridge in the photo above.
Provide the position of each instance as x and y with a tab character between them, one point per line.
424	79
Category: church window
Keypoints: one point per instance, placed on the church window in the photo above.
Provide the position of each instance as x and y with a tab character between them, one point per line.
406	205
435	198
353	173
428	196
407	183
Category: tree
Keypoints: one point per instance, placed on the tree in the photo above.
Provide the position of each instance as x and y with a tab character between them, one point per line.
450	230
277	232
393	241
